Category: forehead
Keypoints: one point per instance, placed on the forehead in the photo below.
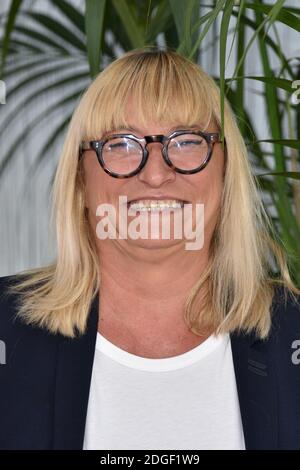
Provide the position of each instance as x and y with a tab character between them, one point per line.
138	122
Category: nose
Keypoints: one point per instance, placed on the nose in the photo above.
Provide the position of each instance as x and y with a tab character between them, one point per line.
156	172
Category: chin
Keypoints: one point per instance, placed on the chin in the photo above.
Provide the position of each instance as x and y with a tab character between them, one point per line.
152	244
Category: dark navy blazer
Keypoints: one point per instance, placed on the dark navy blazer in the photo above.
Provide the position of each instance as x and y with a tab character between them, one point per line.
45	381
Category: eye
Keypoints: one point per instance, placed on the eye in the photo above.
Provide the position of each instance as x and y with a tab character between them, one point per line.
113	146
187	141
190	142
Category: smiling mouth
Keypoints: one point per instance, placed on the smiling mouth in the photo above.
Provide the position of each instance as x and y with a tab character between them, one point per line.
156	205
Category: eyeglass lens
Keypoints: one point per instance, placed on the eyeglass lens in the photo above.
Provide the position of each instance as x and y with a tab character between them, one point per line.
124	155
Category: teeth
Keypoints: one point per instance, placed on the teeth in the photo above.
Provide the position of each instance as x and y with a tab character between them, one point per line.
155	205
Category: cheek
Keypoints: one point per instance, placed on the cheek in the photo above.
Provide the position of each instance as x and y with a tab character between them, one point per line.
92	190
94	181
209	185
208	191
100	187
214	179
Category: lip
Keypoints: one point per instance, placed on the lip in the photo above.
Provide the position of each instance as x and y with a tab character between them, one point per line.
155	198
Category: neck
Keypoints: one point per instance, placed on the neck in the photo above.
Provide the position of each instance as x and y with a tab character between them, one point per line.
150	285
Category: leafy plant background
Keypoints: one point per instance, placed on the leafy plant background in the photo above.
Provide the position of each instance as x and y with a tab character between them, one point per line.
51	50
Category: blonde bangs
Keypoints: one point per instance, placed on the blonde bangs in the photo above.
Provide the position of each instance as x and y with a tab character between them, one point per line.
176	94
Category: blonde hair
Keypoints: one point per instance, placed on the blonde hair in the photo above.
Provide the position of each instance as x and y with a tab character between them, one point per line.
240	284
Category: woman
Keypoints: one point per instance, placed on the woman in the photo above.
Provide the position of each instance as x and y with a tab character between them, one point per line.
141	342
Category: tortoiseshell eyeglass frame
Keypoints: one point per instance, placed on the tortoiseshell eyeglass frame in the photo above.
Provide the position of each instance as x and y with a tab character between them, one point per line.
97	145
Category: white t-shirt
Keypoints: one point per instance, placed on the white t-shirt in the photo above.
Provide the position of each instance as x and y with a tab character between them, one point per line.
182	402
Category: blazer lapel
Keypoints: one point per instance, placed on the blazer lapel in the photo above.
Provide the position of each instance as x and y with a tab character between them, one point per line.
74	370
256	385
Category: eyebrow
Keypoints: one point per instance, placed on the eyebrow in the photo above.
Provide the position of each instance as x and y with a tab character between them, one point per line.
134	129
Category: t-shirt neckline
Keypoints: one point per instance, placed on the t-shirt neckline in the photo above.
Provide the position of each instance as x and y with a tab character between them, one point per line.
162	364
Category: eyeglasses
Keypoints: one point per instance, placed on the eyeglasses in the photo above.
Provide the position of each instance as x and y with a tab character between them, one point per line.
186	151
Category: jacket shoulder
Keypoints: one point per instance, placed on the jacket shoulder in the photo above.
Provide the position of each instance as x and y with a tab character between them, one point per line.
286	311
15	333
28	364
8	305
